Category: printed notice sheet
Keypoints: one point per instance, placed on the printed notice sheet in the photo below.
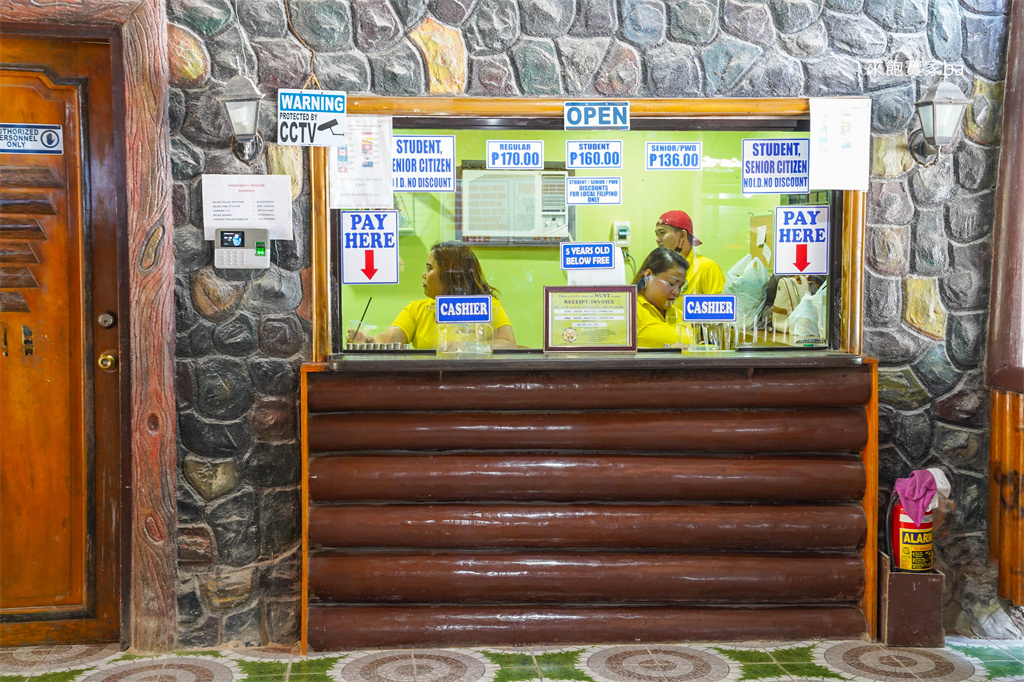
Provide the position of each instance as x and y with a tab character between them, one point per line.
360	166
840	142
590	318
247	201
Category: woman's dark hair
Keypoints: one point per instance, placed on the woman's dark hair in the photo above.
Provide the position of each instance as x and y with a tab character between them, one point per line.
459	270
658	261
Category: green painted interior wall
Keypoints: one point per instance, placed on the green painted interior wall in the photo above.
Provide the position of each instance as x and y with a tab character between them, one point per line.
712	197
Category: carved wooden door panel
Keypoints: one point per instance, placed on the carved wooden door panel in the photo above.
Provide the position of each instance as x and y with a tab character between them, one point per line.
60	477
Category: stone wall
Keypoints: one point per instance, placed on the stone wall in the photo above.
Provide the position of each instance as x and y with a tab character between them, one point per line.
241	336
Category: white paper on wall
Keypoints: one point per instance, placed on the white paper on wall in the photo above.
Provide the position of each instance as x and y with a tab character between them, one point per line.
360	167
840	143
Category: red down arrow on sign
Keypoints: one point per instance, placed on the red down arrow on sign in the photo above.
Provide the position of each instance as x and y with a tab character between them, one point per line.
370	271
801	261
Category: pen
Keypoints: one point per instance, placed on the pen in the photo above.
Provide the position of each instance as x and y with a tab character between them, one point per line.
363	317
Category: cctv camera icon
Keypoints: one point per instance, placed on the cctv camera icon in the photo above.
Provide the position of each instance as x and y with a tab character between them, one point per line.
329	126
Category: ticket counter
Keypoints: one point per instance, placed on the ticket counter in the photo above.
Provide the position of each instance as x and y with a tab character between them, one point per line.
589	497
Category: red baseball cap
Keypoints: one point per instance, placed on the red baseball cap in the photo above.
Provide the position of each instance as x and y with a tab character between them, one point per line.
681	221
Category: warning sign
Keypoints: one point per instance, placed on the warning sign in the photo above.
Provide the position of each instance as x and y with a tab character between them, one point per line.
310	118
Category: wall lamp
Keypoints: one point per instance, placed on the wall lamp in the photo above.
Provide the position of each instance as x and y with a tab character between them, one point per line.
241	100
941	110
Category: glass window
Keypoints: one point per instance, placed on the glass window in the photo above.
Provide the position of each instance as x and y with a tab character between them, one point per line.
514	220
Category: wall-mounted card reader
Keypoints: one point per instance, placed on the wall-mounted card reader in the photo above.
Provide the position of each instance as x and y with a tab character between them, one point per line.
241	249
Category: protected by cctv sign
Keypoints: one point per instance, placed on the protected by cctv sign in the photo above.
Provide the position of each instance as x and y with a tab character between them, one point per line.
310	118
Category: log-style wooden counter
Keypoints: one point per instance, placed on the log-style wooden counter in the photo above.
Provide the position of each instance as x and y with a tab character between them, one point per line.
524	499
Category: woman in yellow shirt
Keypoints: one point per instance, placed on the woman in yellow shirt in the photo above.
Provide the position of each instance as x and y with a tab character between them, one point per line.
452	270
659	281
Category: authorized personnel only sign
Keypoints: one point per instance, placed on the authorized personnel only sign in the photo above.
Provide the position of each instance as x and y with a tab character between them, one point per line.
709	308
423	163
310	118
587	255
369	247
596	115
463	309
801	240
21	138
595	191
776	166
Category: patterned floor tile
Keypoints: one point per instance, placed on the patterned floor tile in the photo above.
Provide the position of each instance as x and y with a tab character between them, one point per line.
420	665
659	663
246	654
22	660
167	669
514	665
875	662
997	662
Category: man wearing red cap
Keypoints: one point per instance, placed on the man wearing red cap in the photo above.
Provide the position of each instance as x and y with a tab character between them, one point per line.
675	231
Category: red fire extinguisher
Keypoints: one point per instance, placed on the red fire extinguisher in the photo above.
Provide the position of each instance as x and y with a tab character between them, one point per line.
910	544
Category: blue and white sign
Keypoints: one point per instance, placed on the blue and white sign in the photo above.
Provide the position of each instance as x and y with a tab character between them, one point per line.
515	154
596	115
776	166
709	308
464	309
593	154
310	118
674	155
423	163
593	191
587	255
27	138
801	240
369	247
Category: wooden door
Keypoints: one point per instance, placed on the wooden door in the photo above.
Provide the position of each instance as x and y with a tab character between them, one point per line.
60	505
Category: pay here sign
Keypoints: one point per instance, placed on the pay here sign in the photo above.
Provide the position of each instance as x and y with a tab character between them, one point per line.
801	240
369	247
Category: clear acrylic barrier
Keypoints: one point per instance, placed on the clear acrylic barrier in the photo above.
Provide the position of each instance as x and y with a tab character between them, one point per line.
464	340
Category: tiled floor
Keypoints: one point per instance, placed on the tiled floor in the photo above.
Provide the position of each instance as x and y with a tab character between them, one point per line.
972	660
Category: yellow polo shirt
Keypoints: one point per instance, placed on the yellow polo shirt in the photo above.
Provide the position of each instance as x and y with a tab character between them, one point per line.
703	276
419	322
652	331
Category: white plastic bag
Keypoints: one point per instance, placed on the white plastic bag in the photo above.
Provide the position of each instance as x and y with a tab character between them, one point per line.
808	323
748	280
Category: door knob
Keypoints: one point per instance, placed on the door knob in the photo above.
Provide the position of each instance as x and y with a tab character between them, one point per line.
107	361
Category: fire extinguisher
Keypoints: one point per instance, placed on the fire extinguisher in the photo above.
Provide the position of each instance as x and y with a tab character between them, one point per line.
910	545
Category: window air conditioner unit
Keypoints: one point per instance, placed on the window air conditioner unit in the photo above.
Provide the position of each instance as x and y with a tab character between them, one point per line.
514	205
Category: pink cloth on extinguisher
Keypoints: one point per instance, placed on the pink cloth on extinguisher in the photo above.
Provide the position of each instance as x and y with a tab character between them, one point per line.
916	492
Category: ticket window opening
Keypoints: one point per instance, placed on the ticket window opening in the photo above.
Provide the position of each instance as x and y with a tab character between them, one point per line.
241	249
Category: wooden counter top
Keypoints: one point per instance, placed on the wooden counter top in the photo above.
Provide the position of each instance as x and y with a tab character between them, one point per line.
534	360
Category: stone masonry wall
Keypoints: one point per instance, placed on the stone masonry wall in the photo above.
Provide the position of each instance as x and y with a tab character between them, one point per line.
241	336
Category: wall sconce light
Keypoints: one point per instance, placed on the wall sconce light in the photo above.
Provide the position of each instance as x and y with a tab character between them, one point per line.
940	110
241	100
